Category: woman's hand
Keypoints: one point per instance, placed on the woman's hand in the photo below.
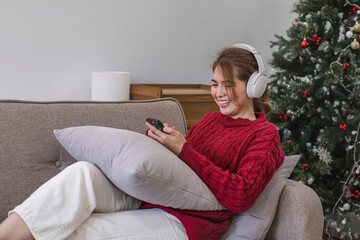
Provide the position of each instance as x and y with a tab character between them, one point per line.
171	139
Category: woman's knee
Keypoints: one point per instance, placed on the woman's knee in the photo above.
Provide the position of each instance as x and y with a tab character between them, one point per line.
83	167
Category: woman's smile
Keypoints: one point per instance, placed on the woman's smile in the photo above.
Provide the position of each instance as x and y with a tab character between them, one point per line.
224	103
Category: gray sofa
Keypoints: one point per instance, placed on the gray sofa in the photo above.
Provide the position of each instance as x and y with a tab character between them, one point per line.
29	153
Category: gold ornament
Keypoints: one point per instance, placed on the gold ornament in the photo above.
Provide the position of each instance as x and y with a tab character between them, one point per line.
354	45
357	27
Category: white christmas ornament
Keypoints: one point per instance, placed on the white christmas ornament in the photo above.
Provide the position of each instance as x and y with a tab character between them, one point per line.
349	34
346	207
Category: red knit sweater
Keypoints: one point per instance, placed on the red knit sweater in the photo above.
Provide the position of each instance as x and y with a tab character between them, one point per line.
235	158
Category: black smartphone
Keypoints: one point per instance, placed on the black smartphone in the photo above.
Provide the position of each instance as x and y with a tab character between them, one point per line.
156	123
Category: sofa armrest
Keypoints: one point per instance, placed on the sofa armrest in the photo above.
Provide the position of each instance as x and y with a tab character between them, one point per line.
299	214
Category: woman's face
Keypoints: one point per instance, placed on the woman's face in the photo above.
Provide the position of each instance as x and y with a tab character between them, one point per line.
234	107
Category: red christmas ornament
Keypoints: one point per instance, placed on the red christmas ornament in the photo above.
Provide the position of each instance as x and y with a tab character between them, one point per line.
282	116
346	65
304	44
316	39
306	93
355	9
342	126
356	194
305	167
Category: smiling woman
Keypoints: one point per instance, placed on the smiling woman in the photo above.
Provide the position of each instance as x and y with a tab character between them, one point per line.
234	151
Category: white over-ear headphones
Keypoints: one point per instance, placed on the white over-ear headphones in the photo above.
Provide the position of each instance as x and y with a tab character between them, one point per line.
257	82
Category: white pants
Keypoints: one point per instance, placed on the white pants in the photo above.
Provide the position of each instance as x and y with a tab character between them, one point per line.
81	203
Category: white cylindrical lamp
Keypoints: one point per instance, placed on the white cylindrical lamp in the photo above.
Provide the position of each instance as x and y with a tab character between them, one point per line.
110	86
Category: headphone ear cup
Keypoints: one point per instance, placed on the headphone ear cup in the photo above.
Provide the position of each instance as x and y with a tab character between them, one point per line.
256	85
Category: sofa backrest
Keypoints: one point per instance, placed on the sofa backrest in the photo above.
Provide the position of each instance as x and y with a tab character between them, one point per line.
29	152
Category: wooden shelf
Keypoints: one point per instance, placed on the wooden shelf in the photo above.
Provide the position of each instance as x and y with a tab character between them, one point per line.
195	99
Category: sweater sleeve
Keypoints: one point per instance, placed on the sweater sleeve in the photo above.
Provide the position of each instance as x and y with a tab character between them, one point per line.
239	190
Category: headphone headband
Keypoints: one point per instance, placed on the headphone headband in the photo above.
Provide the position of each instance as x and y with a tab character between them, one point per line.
256	54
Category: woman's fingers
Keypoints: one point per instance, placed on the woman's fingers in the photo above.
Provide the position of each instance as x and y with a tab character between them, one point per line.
154	132
170	130
170	138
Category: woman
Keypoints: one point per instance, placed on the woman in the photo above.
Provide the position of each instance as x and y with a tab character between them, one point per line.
234	151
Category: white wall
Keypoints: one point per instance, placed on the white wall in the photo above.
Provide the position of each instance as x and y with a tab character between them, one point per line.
48	48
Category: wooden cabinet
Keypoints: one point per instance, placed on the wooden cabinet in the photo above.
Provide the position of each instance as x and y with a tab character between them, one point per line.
195	99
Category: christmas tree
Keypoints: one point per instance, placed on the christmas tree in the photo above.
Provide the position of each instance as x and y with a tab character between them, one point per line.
315	94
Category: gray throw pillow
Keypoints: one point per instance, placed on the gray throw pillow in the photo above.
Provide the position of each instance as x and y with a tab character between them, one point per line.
139	166
255	222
